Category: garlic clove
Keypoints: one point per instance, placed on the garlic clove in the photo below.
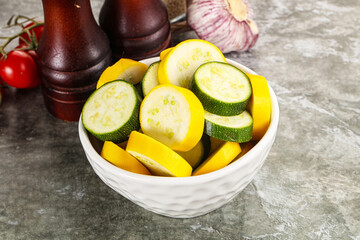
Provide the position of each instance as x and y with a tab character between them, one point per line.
227	24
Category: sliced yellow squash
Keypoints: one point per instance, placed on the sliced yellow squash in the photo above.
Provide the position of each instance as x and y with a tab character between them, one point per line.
164	52
158	158
122	159
126	69
172	115
259	105
219	159
178	66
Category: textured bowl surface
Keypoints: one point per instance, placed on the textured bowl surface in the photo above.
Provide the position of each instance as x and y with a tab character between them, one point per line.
188	196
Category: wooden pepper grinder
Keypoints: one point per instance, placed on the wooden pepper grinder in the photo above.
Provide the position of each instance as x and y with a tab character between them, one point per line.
137	29
73	52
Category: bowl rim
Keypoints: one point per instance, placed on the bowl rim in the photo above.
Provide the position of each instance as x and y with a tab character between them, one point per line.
161	180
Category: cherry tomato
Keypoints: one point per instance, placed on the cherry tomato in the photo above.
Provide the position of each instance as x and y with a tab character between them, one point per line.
37	30
19	70
32	52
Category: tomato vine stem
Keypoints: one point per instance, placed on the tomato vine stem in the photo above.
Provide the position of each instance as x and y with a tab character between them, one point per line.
20	21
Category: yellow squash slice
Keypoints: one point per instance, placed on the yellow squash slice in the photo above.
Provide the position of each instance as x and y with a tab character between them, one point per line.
259	105
125	69
219	159
158	158
164	52
172	115
178	66
122	159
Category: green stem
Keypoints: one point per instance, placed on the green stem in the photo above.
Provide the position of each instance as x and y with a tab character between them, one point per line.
15	21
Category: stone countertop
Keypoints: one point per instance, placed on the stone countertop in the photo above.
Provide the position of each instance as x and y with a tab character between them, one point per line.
308	188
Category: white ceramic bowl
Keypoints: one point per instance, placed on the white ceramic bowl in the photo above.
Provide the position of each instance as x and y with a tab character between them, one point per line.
188	196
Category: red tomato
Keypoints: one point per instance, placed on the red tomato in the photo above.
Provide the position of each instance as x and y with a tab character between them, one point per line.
32	52
19	70
37	30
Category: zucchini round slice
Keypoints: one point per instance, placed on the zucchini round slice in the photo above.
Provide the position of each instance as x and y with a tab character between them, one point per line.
229	128
150	79
112	111
222	88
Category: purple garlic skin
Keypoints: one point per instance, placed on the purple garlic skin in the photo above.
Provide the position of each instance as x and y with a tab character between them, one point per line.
227	24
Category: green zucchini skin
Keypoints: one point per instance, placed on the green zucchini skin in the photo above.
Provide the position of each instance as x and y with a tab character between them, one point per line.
205	141
138	88
214	105
207	145
148	77
122	133
229	134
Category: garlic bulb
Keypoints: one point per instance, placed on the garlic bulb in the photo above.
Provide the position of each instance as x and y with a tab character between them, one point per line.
227	24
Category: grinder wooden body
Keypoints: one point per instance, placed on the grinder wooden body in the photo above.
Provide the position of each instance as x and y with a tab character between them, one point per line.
137	29
73	52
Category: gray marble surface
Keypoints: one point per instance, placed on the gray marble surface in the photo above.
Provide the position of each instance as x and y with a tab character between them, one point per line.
309	187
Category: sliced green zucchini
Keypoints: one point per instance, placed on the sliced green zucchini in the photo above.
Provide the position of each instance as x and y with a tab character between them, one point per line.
199	153
150	79
229	128
112	111
222	88
138	88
